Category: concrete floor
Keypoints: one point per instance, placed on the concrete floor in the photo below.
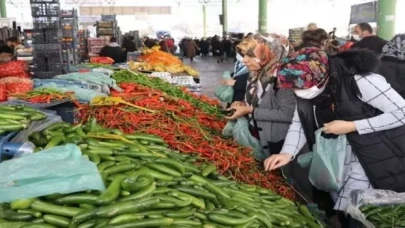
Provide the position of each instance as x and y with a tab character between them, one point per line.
210	72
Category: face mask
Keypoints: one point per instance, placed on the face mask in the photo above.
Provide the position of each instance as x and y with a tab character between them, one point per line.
356	37
310	93
239	58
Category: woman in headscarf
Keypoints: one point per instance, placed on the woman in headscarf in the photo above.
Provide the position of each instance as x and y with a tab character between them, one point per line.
270	109
393	63
341	96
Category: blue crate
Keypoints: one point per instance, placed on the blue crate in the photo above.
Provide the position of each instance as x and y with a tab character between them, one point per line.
47	74
63	108
7	148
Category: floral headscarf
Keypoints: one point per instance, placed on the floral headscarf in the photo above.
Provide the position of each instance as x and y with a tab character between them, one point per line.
304	69
269	49
395	48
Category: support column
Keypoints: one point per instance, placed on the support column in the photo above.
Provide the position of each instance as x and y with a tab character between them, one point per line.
3	9
262	16
204	8
386	10
225	17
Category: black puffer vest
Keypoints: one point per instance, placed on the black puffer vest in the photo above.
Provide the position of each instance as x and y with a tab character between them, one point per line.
382	154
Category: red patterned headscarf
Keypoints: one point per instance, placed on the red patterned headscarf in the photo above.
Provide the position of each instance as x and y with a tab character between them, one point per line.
304	69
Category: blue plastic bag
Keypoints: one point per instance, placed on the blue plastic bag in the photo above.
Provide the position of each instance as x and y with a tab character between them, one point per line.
224	92
327	162
241	134
62	169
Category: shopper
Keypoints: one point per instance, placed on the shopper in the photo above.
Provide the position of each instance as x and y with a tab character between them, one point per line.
205	47
113	50
128	45
4	48
363	34
313	38
341	96
392	65
227	45
312	26
239	79
164	46
191	48
269	109
14	43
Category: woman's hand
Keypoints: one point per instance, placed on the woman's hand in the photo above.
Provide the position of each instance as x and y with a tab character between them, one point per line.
276	161
339	127
238	103
228	82
239	112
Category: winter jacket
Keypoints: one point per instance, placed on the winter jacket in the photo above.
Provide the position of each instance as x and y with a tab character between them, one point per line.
394	72
372	43
113	51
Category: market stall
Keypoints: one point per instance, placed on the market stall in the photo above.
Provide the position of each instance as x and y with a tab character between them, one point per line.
159	153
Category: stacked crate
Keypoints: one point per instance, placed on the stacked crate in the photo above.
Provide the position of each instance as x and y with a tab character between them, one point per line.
46	38
70	44
295	34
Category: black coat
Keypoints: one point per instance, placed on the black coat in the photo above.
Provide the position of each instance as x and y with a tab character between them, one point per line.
381	154
240	87
116	53
372	43
394	71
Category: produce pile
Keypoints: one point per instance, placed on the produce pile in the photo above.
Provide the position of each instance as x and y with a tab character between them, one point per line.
17	117
189	126
160	61
149	185
385	216
205	103
43	95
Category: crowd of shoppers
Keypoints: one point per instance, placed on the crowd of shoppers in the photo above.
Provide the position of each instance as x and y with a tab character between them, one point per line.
355	89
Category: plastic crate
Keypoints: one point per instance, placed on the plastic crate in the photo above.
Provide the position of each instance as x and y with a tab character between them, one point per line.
96	41
48	23
46	74
46	36
47	64
6	148
95	50
47	48
63	108
45	10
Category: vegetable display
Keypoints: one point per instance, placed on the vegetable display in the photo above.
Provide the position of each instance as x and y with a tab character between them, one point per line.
208	105
17	117
385	216
187	129
43	95
160	61
149	185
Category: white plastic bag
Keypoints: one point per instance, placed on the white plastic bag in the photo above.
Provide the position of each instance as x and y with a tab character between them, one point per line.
373	197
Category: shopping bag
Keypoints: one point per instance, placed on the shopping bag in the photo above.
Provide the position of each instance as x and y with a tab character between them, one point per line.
326	162
62	169
362	203
228	129
224	92
241	134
